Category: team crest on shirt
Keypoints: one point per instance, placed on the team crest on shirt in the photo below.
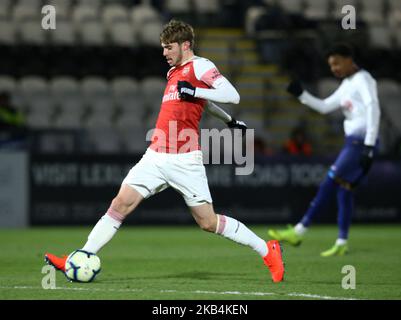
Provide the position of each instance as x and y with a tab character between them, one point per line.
185	71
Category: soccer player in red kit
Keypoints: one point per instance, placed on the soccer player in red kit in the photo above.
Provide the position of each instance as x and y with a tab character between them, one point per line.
174	158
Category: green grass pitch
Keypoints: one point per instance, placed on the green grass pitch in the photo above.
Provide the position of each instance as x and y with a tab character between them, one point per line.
171	263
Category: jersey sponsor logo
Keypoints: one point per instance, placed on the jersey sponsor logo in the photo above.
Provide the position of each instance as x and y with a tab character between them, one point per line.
171	96
172	93
172	88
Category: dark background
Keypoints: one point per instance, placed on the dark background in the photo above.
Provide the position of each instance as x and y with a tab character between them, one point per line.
90	90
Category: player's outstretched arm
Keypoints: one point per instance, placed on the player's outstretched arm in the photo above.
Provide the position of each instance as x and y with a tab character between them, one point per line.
219	113
219	88
323	106
223	91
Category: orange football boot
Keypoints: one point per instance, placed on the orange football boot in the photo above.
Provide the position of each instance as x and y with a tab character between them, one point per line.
57	262
274	261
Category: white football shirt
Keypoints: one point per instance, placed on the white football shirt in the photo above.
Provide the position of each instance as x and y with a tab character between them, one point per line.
358	100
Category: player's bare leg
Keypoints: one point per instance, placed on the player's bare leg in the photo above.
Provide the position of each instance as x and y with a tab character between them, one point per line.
205	217
236	231
123	204
126	200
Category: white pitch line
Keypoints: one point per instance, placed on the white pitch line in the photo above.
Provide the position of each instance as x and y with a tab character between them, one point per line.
307	295
77	289
293	294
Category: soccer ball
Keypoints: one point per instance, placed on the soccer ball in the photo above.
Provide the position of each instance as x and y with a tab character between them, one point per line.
82	266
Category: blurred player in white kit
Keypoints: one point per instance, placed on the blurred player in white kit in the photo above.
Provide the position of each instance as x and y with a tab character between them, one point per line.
358	100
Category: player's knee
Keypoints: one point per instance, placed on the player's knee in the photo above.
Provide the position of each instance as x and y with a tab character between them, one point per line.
118	204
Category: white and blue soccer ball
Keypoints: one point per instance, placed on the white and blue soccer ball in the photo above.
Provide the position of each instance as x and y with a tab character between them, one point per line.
82	266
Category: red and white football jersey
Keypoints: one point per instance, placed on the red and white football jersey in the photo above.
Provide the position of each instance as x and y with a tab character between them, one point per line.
177	126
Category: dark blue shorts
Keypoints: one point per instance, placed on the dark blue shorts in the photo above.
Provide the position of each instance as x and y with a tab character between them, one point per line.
347	165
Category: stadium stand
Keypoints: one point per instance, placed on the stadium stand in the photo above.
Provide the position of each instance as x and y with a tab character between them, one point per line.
97	97
373	11
36	101
114	46
128	100
292	6
7	84
317	9
64	34
68	102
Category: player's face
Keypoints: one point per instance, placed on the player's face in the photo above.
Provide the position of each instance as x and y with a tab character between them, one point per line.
173	53
340	66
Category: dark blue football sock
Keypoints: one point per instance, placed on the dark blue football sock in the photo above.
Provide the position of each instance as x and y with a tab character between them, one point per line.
345	202
323	198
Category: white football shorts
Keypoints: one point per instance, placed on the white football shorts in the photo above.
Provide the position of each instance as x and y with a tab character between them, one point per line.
185	172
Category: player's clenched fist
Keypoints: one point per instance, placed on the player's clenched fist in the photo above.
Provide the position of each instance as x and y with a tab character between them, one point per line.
366	157
295	88
186	90
237	124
